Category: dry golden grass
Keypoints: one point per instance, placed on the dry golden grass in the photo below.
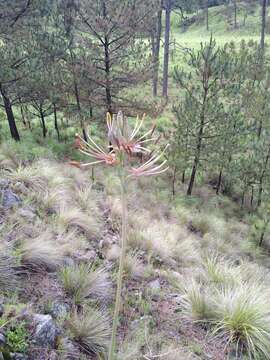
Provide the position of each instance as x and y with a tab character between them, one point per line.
41	253
9	280
69	218
29	176
91	330
201	252
197	301
8	158
53	199
70	242
133	266
82	282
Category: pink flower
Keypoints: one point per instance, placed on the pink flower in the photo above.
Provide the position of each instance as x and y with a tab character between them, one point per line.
95	151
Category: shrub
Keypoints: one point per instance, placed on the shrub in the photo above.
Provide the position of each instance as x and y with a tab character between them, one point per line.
17	337
82	282
91	330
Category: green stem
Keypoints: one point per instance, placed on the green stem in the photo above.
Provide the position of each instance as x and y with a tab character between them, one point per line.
121	267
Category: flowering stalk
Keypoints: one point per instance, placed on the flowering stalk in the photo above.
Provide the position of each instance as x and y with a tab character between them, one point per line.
123	180
123	145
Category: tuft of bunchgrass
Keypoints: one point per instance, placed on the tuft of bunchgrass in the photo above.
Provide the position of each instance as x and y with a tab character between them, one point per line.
91	330
29	176
72	217
133	266
197	302
220	271
40	253
87	199
52	200
8	275
242	317
82	282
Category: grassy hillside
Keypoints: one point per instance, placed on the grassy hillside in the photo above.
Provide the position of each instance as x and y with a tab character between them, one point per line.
196	283
220	26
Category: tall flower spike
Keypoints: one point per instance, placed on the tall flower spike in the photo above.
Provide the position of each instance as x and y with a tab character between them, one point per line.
123	144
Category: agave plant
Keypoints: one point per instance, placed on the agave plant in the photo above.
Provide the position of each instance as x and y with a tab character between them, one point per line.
124	143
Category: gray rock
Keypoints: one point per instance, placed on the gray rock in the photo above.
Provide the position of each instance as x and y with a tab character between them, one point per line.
46	331
4	183
82	255
20	187
59	310
98	186
18	356
27	213
154	285
9	199
2	309
68	261
53	355
135	324
2	339
1	356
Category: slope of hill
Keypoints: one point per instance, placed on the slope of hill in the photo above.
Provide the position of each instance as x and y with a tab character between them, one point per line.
194	283
221	26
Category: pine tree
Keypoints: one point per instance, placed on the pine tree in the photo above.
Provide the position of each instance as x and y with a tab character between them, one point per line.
203	87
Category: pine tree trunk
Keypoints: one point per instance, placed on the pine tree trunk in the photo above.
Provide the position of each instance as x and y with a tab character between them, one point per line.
183	176
107	64
91	111
10	116
199	142
43	124
77	97
261	179
156	50
219	181
259	202
235	14
252	197
56	122
263	232
166	48
22	114
264	5
107	72
243	198
206	15
173	180
261	238
192	178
